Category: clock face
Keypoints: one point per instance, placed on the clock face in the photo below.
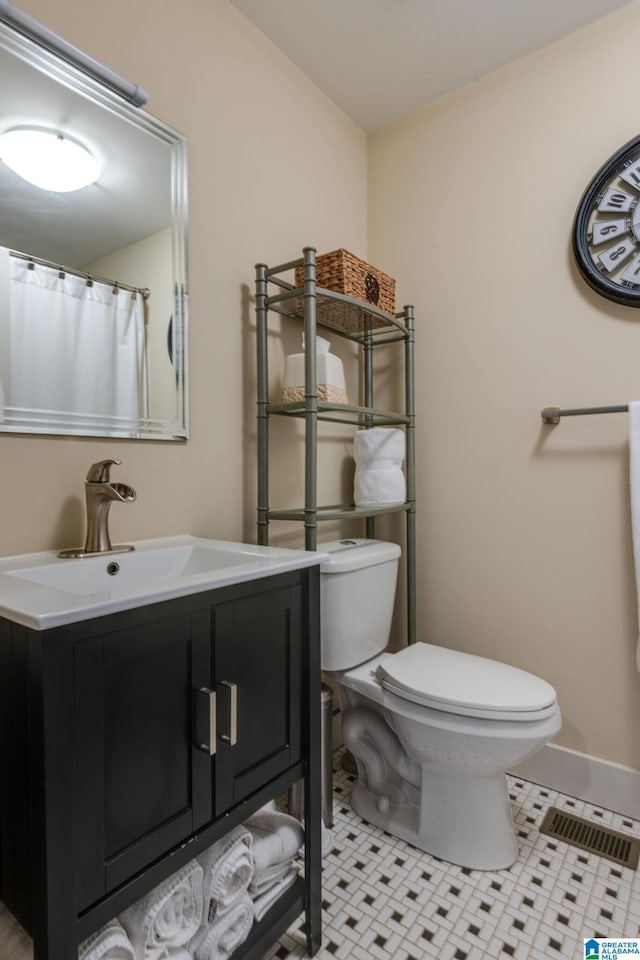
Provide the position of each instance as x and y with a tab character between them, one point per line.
606	230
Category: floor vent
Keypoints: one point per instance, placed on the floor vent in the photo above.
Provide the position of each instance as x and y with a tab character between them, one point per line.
610	844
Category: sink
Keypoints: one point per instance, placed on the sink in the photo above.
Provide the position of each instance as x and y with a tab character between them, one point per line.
41	590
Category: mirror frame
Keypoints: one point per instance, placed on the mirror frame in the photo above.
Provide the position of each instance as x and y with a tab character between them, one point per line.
14	43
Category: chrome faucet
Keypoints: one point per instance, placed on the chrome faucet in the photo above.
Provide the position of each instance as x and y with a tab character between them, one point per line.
100	492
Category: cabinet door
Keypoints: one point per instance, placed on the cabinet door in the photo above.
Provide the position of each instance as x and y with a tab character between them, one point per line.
142	786
257	662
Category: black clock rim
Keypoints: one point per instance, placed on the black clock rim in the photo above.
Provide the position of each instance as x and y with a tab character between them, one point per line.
589	272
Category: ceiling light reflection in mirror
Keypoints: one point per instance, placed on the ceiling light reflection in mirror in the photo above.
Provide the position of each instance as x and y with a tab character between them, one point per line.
127	228
47	159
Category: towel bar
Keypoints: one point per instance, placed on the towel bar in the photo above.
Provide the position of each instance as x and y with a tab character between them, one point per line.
553	414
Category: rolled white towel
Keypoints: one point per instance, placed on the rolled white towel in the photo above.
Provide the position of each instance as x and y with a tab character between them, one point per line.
266	900
378	444
109	943
230	929
379	485
276	837
168	917
15	942
227	871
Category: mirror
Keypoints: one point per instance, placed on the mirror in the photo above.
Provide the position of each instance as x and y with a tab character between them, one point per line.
93	323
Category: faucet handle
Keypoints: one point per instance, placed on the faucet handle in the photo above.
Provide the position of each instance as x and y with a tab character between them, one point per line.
99	472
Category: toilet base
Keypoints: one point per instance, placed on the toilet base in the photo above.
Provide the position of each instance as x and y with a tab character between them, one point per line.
463	820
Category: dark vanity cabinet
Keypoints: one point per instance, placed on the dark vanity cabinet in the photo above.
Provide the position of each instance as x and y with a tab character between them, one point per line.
130	743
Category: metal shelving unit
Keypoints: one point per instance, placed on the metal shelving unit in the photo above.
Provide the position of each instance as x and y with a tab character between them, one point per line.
368	326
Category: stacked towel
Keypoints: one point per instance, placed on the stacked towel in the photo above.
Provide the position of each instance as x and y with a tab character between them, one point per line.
264	902
232	926
228	911
227	871
277	838
109	943
379	455
162	923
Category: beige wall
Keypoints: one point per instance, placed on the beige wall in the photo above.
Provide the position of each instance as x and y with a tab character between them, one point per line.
273	165
524	540
524	545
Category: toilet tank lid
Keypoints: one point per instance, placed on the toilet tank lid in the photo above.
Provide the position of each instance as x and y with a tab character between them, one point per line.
356	554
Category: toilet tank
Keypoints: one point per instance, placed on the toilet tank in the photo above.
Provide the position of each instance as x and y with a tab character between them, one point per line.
357	592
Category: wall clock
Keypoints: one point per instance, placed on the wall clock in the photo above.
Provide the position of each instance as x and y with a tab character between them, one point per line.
606	229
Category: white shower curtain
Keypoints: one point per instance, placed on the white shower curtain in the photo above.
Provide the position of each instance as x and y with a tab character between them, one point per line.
75	348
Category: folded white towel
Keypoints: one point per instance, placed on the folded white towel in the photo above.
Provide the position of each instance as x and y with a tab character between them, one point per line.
266	878
634	479
168	917
109	943
377	445
276	837
227	871
230	928
379	485
15	942
265	902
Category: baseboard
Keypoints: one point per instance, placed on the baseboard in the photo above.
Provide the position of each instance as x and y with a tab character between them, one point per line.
601	782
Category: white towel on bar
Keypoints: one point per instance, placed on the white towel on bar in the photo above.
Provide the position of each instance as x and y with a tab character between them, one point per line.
227	871
265	902
109	943
634	480
168	917
229	929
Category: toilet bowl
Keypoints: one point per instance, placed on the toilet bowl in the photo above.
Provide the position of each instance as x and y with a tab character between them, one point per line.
432	730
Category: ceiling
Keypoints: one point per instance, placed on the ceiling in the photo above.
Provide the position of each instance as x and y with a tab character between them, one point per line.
380	60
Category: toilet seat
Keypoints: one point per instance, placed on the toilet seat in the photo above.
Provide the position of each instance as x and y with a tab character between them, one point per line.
465	684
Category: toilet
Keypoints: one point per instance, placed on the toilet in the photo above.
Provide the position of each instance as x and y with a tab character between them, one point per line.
432	730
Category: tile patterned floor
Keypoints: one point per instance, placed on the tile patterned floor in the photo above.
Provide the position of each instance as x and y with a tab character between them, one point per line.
385	900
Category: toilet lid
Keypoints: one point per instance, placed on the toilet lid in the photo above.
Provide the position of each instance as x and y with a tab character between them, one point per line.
465	684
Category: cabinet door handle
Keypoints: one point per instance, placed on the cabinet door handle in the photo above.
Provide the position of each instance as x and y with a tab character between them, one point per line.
205	720
232	737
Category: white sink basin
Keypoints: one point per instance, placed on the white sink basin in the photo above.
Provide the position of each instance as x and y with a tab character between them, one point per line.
41	590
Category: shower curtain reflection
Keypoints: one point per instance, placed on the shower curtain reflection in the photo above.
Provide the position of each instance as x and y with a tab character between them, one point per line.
76	347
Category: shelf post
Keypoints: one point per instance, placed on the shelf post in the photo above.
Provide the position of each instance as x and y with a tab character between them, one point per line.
263	401
310	400
367	361
409	389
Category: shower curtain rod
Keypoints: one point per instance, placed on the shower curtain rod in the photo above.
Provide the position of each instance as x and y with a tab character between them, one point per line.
553	414
91	278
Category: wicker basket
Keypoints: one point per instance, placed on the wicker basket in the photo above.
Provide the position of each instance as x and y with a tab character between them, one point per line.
345	273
